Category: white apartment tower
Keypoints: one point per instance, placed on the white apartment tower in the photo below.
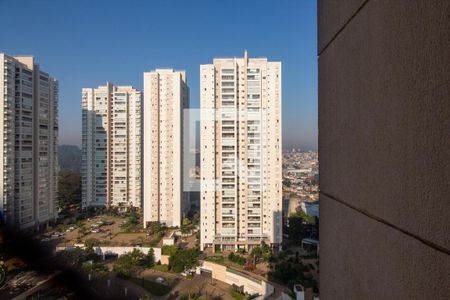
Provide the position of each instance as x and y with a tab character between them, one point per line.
166	94
29	139
111	146
241	155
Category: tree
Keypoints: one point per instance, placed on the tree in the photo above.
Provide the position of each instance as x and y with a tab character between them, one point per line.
124	265
196	218
156	227
183	259
129	262
90	244
136	256
133	218
287	182
300	225
69	189
132	223
256	253
185	230
169	250
82	231
266	251
186	222
236	259
74	257
95	269
150	258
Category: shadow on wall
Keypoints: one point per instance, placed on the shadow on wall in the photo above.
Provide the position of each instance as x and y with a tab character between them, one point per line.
39	258
93	123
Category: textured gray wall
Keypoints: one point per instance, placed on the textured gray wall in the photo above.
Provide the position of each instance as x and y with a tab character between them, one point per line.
384	149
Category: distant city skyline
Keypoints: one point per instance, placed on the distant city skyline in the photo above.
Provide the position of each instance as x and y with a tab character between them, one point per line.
89	45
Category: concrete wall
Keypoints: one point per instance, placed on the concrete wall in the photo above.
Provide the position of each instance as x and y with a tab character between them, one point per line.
251	285
384	148
165	259
102	250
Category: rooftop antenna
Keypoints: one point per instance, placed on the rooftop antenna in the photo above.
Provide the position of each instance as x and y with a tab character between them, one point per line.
245	55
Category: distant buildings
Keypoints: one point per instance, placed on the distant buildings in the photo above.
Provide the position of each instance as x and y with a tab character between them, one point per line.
111	146
241	189
166	94
301	175
29	141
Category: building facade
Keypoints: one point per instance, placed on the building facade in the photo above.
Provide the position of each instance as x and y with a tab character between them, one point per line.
241	154
29	135
384	123
111	146
166	95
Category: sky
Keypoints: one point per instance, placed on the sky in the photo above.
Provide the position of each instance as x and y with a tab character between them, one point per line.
86	43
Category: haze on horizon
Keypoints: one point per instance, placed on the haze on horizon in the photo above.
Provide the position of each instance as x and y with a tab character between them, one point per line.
86	44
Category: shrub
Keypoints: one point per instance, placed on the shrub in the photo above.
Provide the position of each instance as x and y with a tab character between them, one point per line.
236	259
168	250
183	259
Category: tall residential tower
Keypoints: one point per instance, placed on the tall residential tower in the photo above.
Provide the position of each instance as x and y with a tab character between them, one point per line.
111	146
29	141
241	191
166	94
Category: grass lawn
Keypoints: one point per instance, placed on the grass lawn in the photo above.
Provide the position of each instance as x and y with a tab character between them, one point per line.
154	288
236	295
218	259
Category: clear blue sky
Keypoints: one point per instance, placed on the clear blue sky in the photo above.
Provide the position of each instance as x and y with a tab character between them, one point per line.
86	43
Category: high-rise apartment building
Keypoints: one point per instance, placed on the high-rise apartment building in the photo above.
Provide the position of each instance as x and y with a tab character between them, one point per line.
166	95
241	159
111	146
29	141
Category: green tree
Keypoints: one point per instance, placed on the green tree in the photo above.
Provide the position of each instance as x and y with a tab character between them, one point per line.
196	218
124	265
236	259
150	258
69	189
82	231
129	262
287	182
266	251
183	259
156	227
169	250
97	270
73	257
257	252
91	243
186	222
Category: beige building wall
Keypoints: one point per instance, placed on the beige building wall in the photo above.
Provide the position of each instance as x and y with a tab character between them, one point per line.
111	146
30	142
240	152
250	284
166	94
